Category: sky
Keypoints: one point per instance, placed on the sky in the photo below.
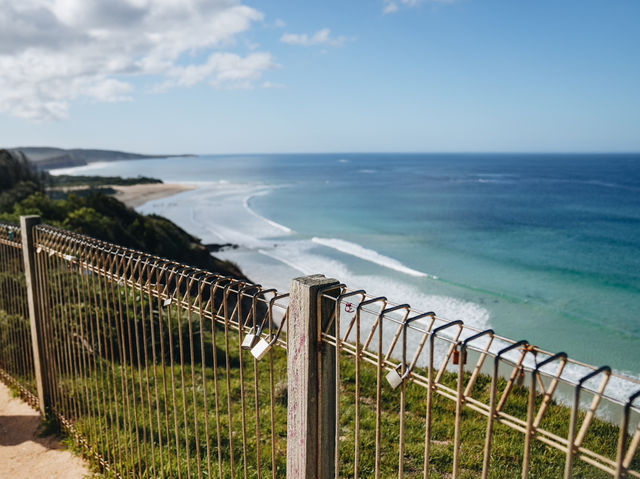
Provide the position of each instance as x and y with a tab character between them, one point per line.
225	76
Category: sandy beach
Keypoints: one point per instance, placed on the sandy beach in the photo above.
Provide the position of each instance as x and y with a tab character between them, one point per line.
137	195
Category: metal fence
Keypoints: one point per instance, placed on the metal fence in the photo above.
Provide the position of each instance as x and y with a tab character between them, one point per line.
146	365
158	369
441	399
16	357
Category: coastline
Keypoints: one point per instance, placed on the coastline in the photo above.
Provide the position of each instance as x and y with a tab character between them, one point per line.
271	254
137	195
228	206
222	212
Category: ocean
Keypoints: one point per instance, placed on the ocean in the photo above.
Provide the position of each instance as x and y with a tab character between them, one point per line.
543	247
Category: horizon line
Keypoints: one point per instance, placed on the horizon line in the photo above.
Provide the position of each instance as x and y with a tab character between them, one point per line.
355	152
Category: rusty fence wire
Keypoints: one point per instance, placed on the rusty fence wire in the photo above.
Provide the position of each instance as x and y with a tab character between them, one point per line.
16	357
420	396
149	362
157	369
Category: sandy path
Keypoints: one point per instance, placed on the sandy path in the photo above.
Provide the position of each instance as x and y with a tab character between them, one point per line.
136	195
24	455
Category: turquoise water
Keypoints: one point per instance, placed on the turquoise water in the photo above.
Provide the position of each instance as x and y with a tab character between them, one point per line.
539	247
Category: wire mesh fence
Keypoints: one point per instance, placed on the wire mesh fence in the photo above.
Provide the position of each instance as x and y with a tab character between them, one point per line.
147	366
421	396
158	369
16	357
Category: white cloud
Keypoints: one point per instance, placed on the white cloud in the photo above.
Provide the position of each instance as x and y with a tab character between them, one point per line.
224	70
55	51
279	23
109	90
392	6
321	37
269	84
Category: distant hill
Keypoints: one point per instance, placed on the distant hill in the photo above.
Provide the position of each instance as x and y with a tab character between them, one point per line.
46	158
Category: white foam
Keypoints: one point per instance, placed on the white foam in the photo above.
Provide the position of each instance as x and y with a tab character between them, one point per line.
245	203
79	170
298	255
298	267
370	255
220	212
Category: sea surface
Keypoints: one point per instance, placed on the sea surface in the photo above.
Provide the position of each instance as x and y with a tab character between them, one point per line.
543	247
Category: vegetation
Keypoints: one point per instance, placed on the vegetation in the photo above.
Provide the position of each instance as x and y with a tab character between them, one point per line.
165	444
18	180
152	417
92	181
22	192
143	404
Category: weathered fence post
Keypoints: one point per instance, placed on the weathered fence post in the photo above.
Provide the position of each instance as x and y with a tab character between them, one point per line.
27	223
311	386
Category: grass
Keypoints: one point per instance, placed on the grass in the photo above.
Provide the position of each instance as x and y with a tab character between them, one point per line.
164	434
142	397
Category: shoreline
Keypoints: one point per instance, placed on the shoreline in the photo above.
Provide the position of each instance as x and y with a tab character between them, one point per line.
221	211
137	195
270	254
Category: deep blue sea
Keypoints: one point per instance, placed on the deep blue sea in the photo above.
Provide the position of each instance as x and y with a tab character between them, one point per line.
544	247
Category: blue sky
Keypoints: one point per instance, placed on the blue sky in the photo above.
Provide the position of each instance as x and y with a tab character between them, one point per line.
219	76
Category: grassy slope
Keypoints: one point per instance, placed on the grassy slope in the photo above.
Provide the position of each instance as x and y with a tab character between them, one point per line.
507	447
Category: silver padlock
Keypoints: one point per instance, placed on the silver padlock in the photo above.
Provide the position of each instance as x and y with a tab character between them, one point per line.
250	339
260	349
39	250
167	302
394	378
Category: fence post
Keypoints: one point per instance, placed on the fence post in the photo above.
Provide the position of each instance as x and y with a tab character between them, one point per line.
311	384
27	223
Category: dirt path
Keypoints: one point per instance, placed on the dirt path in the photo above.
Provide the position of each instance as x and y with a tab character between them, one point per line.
24	455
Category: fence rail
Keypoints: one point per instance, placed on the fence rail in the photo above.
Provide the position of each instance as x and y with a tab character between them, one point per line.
158	369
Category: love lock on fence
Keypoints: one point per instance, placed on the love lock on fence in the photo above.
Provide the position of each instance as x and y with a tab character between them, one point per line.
394	378
251	337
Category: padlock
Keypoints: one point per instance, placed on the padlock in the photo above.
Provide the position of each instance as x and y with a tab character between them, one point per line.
394	378
456	357
39	250
250	339
260	349
167	302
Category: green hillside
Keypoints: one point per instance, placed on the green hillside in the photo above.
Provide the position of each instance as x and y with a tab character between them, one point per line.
22	192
